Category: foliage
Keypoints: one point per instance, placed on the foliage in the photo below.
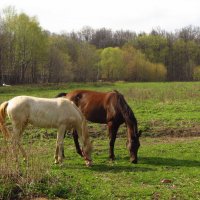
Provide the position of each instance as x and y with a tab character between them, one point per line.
111	63
58	66
196	74
29	54
154	46
25	48
138	68
86	68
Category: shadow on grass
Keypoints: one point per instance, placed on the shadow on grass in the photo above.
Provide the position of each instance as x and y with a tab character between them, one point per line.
115	168
120	168
168	162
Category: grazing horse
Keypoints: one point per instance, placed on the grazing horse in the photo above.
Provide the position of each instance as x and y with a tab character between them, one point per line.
46	113
107	108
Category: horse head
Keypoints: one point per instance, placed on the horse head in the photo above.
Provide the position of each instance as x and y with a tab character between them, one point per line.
87	158
134	146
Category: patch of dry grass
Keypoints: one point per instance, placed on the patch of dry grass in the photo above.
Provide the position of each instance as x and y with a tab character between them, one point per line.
18	176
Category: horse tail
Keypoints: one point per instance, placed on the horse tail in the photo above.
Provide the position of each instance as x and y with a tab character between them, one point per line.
3	114
127	112
62	94
85	135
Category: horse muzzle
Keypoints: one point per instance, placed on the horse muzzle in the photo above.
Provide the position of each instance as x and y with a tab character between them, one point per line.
88	161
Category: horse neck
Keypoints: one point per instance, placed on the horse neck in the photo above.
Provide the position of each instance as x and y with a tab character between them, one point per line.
127	113
132	127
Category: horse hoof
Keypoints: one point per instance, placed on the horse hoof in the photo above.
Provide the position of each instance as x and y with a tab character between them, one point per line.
88	163
56	162
112	158
133	161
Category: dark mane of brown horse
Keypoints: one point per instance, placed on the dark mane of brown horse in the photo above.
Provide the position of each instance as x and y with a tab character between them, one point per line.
108	108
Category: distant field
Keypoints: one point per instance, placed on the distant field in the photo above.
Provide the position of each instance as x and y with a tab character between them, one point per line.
169	167
161	108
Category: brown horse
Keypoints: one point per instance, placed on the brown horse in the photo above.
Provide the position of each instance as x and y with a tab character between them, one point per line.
107	108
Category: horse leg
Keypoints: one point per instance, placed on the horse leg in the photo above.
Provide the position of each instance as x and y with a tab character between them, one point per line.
56	154
63	152
112	129
16	141
75	137
59	145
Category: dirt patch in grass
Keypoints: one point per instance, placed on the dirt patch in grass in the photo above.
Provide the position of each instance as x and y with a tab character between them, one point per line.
176	132
194	131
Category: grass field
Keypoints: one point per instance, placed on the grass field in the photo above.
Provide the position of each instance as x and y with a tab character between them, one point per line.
169	165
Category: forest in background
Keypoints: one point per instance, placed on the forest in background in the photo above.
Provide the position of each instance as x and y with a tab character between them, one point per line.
30	54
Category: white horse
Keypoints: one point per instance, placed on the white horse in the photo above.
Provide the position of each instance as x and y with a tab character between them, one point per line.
57	113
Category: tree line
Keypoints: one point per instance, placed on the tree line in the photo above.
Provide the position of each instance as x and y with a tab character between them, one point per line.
30	54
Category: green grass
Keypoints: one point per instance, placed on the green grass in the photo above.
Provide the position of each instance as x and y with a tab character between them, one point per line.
166	109
161	108
176	160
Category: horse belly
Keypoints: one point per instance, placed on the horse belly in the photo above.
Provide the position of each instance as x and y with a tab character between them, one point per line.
42	123
43	120
96	116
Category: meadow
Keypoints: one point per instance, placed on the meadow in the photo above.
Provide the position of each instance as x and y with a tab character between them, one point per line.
169	157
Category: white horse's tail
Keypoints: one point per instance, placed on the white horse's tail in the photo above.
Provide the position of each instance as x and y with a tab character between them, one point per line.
87	145
3	114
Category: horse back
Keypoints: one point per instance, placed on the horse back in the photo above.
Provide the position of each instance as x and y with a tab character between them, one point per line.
99	107
43	112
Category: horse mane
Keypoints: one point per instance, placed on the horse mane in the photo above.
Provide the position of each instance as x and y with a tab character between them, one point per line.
62	94
126	111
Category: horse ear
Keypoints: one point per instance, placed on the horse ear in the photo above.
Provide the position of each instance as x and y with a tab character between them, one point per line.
139	133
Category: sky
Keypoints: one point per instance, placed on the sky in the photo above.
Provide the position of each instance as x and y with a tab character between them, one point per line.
59	16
